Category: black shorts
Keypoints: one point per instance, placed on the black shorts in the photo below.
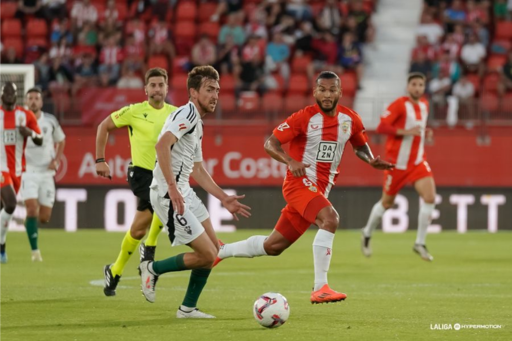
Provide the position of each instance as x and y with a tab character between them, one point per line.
140	180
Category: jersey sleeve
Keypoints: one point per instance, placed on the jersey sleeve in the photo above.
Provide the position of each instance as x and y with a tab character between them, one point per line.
290	128
58	133
32	122
392	113
182	122
122	117
358	137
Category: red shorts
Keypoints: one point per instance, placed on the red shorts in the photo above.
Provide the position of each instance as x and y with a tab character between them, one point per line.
304	201
395	179
10	179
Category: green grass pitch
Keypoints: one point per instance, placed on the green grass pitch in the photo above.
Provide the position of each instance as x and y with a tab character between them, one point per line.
392	296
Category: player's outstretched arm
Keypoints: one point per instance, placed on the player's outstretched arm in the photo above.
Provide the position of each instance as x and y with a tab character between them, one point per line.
163	154
274	149
365	153
105	127
204	179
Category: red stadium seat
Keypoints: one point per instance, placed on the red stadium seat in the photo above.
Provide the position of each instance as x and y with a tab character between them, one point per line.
489	102
158	61
179	97
503	30
186	10
349	84
185	29
506	104
346	101
179	81
496	62
122	10
298	84
491	82
8	10
11	28
211	29
37	28
37	41
227	83
249	103
227	104
16	44
300	64
272	104
206	9
293	103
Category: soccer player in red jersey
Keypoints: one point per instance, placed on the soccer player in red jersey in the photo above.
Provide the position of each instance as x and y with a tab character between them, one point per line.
16	125
317	136
405	123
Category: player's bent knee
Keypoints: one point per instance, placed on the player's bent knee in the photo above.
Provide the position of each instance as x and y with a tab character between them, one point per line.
9	207
274	249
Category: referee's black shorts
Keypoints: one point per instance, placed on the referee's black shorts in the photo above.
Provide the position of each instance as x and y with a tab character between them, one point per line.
140	180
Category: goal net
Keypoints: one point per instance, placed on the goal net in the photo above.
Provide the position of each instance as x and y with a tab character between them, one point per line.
24	78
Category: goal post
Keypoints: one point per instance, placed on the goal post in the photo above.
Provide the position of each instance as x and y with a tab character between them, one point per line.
23	75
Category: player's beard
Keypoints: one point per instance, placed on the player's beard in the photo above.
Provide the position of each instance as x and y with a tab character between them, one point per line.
415	97
324	109
206	108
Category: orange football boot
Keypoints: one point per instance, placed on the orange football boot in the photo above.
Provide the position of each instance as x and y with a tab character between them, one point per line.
218	260
326	295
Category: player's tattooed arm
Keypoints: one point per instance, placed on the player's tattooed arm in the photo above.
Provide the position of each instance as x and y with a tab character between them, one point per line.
364	153
274	149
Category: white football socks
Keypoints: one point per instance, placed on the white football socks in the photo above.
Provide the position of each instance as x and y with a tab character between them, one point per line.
374	219
424	219
322	252
249	248
5	219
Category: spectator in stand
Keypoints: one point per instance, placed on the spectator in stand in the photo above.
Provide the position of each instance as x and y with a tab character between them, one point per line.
277	56
330	18
304	38
505	84
11	57
111	57
350	55
228	59
29	8
275	10
227	7
81	12
61	30
447	66
160	40
459	35
422	65
138	30
86	74
256	25
61	50
130	80
326	54
54	9
464	92
350	25
473	54
481	31
59	75
364	24
450	45
134	56
88	36
423	46
286	27
439	89
110	27
429	28
251	77
500	9
111	11
475	13
203	52
233	28
42	66
299	10
454	15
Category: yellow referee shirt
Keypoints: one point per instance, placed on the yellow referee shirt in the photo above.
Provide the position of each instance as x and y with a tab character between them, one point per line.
144	126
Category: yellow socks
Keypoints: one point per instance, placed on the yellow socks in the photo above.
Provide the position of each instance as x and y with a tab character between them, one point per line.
128	247
154	231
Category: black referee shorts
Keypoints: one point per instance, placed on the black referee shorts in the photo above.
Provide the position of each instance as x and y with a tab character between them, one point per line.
140	180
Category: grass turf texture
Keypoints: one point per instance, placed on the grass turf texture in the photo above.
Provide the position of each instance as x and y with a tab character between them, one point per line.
392	296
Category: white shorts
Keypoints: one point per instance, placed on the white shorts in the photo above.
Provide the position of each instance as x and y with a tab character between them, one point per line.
182	229
38	186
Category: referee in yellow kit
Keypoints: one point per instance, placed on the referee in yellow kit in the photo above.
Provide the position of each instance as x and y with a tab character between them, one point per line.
144	121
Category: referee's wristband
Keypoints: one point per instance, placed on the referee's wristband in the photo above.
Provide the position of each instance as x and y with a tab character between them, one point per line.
100	160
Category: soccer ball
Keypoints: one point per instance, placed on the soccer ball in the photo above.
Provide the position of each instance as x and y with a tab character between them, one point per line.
271	310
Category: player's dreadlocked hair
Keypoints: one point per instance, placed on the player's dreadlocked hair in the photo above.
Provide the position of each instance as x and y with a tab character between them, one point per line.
156	72
415	75
200	73
328	75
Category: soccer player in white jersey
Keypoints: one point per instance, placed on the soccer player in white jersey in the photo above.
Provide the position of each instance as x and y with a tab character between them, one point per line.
37	183
179	155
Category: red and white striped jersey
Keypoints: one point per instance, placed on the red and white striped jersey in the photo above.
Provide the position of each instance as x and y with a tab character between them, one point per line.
12	158
405	151
319	140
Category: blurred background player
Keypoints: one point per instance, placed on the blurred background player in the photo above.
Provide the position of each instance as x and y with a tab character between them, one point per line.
37	183
179	155
405	123
144	121
16	125
317	136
